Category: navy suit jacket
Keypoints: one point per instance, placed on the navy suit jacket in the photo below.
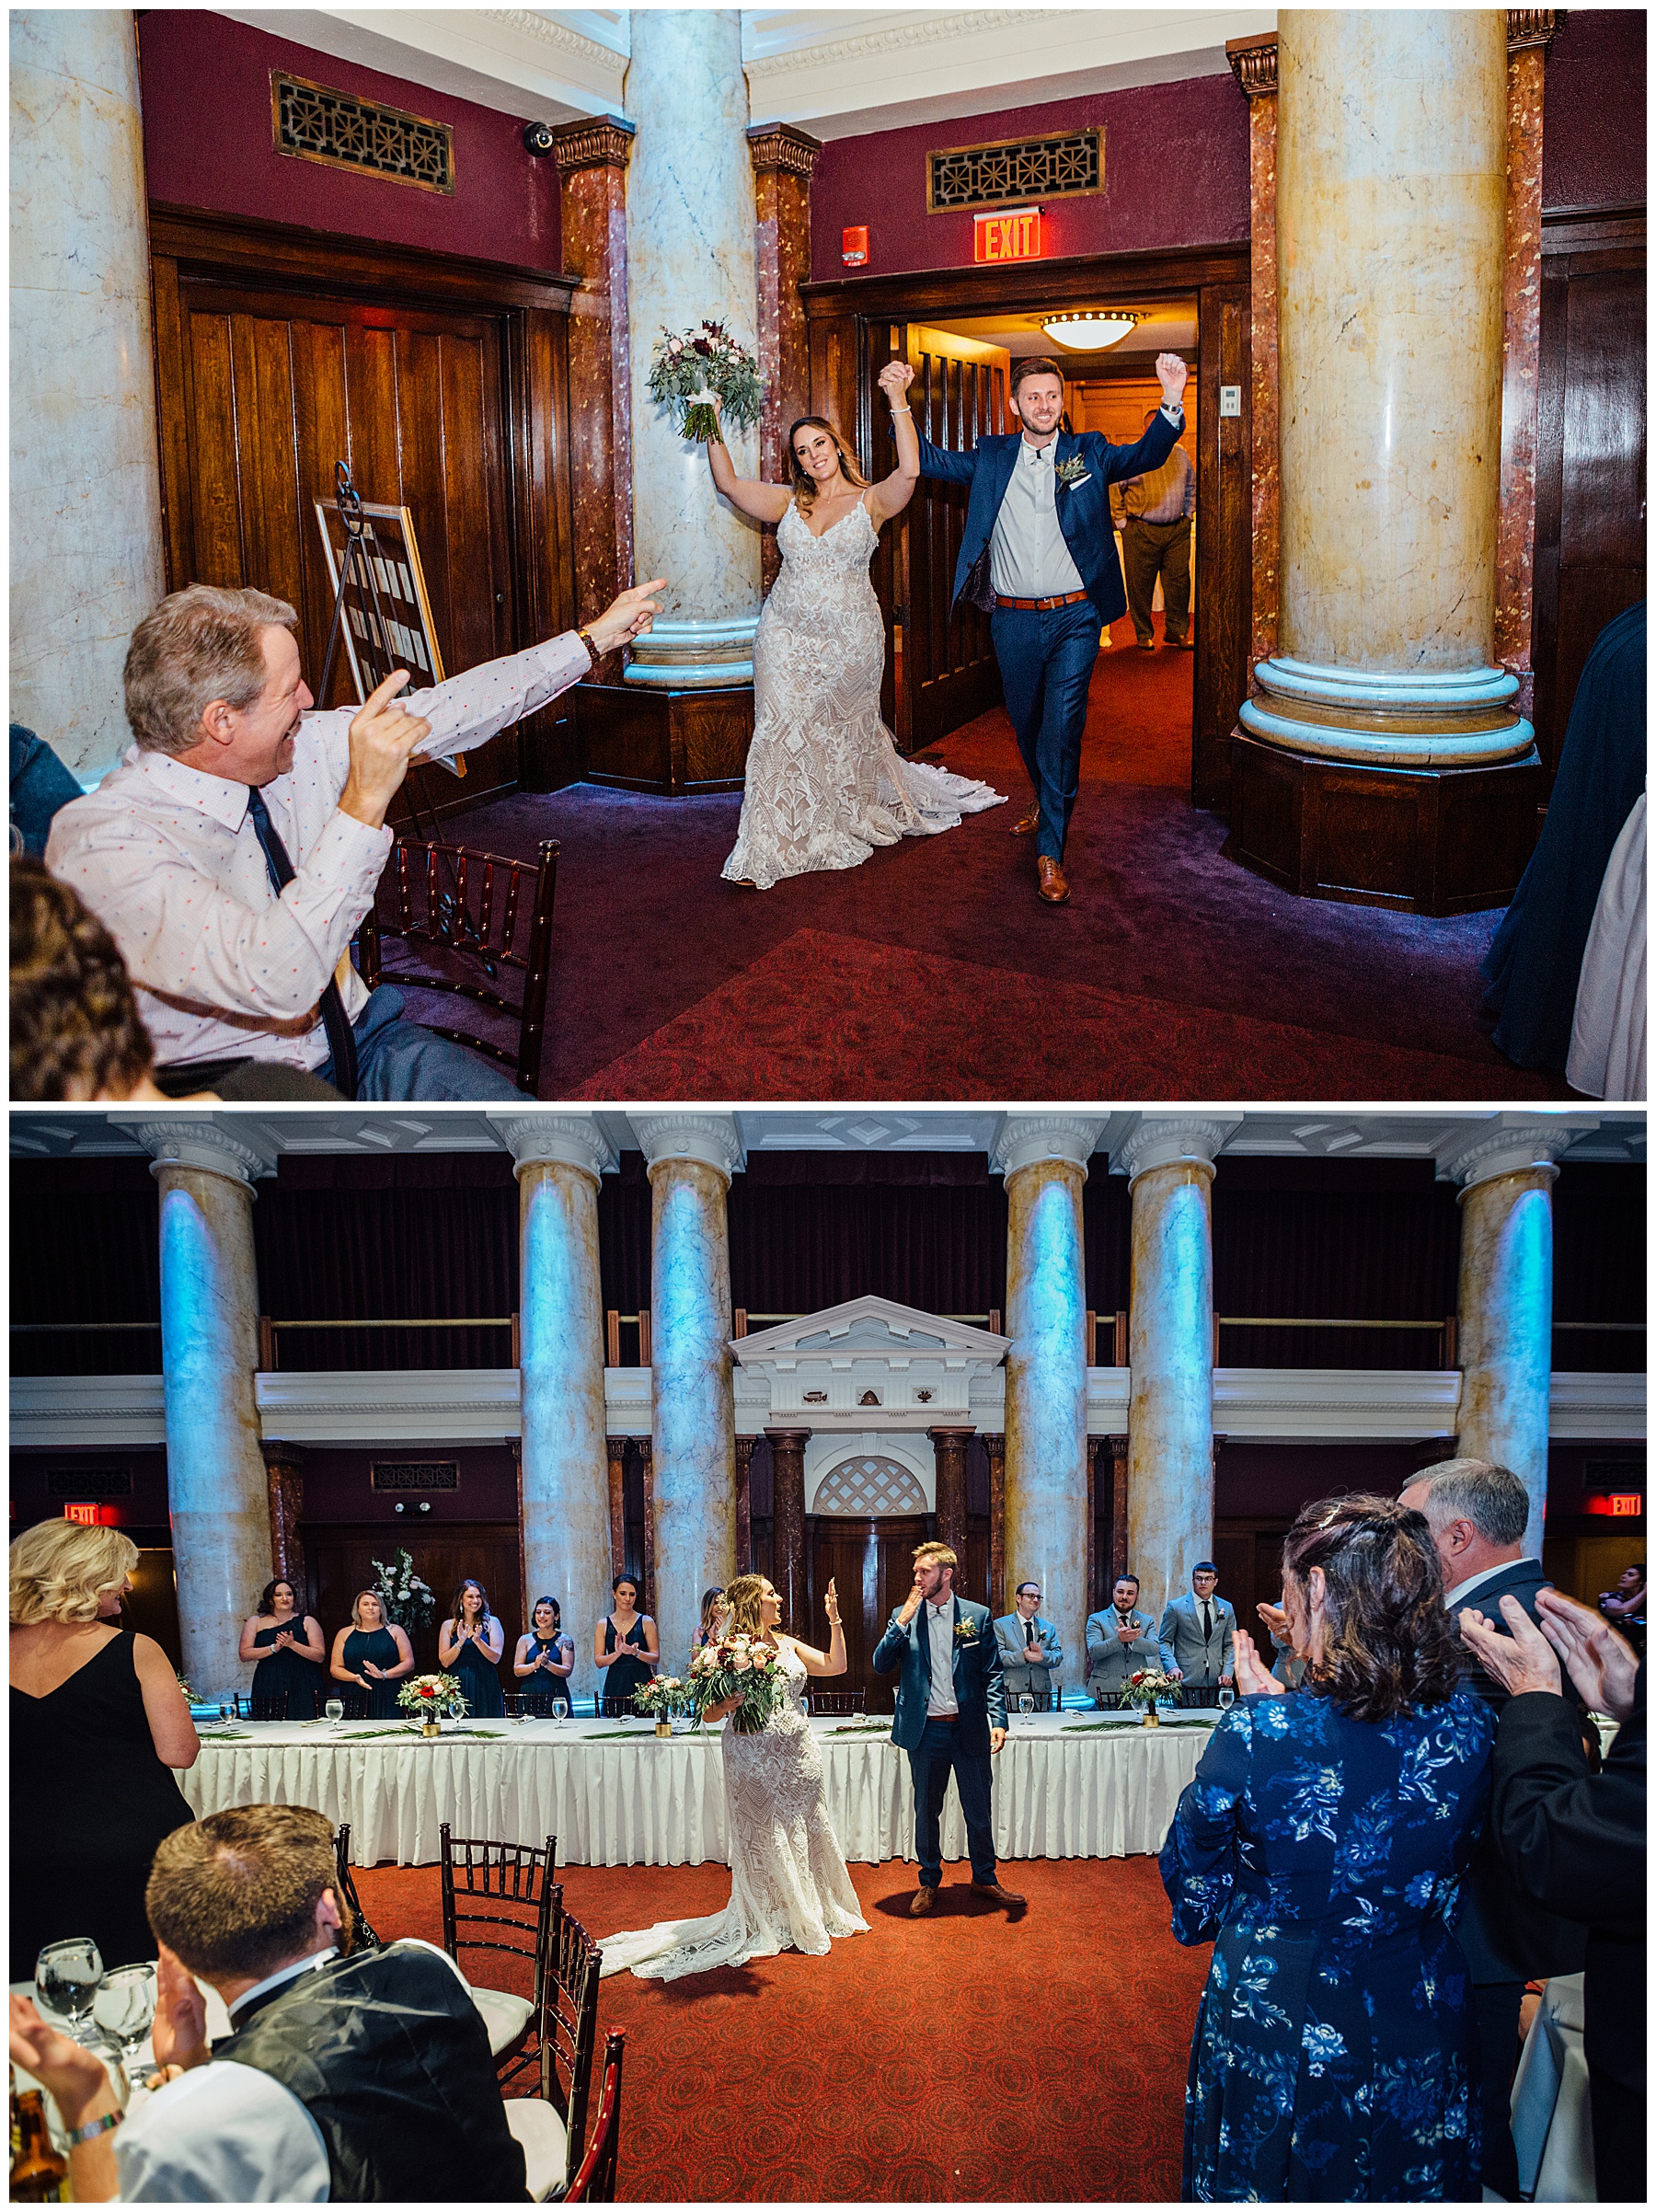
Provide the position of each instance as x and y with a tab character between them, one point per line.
1082	507
980	1687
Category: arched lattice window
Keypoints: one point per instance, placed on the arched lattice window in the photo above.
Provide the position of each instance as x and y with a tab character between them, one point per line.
868	1487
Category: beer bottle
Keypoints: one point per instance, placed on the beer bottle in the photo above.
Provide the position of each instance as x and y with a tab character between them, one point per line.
39	2175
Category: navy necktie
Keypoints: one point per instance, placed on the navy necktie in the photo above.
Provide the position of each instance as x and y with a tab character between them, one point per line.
341	1044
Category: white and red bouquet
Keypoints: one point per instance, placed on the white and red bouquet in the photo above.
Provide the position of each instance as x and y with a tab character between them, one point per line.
434	1697
1151	1687
693	368
662	1698
740	1666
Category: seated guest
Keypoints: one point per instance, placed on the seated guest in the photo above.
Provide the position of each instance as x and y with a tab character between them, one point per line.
544	1660
290	1651
625	1649
236	849
1575	1841
1624	1606
361	2080
713	1610
469	1644
374	1654
1197	1628
1321	1849
1121	1642
1029	1648
39	785
98	1723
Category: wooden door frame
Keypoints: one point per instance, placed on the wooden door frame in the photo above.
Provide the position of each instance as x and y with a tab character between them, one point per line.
852	308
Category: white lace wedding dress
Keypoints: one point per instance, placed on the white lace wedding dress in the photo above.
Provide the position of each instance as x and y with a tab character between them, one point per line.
825	784
789	1890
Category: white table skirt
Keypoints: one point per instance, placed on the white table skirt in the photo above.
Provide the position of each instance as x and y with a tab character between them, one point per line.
615	1794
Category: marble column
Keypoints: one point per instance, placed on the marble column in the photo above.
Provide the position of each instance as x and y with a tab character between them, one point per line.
566	1508
646	1470
784	160
1505	1304
1094	1443
86	562
690	1158
996	1447
285	1476
1119	1448
615	1451
592	157
217	1492
1254	64
690	254
744	1513
1169	1168
787	1526
949	1456
1044	1159
1391	224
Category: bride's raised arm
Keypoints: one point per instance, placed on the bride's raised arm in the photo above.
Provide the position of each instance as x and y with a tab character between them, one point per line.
831	1660
892	493
765	502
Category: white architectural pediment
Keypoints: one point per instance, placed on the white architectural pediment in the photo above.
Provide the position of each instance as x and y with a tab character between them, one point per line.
868	1363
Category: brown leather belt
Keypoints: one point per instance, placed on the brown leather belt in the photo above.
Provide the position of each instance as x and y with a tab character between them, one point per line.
1039	607
950	1720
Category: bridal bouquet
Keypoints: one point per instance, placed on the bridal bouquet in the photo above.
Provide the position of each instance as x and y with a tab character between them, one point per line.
738	1666
429	1697
691	368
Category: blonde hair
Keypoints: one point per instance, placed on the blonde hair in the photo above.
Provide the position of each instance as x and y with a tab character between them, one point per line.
745	1597
356	1607
203	643
59	1571
936	1555
805	486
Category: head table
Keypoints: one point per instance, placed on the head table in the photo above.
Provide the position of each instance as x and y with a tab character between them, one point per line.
1069	1785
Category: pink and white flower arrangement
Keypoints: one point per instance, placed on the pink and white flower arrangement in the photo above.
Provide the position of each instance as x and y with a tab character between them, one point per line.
740	1666
691	368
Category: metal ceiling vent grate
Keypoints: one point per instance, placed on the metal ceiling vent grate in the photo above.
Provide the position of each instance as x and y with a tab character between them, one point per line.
1013	170
315	123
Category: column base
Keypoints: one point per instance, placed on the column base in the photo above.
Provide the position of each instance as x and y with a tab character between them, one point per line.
676	743
1433	841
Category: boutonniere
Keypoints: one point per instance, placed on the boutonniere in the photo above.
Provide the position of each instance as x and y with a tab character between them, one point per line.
966	1631
1073	471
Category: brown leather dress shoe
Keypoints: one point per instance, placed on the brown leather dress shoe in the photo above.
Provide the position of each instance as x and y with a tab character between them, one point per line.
1050	881
994	1889
1028	827
925	1900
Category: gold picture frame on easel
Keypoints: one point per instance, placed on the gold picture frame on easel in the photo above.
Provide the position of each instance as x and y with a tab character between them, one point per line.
408	639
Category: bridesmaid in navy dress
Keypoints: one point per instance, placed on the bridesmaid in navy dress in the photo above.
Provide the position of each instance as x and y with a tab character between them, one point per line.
544	1660
469	1644
624	1647
290	1651
374	1655
1320	1850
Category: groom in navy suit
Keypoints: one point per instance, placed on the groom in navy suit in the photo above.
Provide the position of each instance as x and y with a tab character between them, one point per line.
1039	557
951	1713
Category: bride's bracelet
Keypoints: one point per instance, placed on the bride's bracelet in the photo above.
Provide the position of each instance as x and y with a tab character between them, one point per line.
903	410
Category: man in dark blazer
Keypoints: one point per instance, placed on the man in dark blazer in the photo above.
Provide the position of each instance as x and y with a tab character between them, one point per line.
951	1713
1039	557
1478	1513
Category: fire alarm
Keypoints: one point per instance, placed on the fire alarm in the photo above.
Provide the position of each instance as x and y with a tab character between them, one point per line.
853	245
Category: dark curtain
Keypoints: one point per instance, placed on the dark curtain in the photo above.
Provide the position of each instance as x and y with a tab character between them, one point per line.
624	1242
1358	1240
84	1247
1599	1265
797	1246
1106	1236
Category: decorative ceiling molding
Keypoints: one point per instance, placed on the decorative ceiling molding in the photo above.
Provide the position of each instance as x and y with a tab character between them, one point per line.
546	30
869	46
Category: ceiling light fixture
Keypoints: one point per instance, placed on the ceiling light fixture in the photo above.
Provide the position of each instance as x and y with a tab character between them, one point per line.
1092	331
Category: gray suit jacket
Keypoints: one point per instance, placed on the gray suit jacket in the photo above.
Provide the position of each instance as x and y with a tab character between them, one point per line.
1181	1632
1013	1649
1109	1660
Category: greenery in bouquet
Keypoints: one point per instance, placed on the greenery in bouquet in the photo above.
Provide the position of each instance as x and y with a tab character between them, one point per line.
738	1666
689	365
1151	1687
406	1600
663	1698
433	1697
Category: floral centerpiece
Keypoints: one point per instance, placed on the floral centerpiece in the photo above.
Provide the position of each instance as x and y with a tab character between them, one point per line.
738	1666
433	1698
1150	1688
691	368
405	1599
661	1700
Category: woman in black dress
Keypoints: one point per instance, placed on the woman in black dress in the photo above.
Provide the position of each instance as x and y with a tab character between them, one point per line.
290	1651
625	1644
98	1721
374	1655
469	1644
544	1661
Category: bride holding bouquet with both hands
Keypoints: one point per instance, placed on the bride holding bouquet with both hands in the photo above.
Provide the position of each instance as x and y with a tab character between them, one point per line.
789	1889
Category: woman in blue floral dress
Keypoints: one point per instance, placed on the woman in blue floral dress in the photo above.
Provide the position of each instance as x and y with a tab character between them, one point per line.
1321	1849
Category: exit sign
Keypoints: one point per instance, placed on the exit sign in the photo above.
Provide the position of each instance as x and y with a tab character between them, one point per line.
1011	234
1626	1503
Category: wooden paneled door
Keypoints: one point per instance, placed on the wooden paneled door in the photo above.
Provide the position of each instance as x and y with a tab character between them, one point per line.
872	1565
440	386
339	1562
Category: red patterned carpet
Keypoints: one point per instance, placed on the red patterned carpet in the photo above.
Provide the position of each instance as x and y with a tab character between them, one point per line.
968	2057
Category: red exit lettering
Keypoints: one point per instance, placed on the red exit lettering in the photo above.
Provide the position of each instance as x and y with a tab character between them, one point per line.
1011	237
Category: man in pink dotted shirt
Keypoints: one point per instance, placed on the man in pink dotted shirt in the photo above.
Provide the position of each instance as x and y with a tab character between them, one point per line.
235	850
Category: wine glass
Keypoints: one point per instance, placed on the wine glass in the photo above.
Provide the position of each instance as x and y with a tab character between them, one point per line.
66	1977
335	1710
124	2005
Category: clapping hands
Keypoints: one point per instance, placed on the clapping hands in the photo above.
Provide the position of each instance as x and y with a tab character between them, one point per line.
1254	1678
1603	1664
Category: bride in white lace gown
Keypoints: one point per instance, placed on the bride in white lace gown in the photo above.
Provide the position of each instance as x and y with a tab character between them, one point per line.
825	783
789	1889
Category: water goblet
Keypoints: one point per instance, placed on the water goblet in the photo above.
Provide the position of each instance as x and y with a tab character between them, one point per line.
1227	1697
335	1710
124	2005
66	1976
1026	1704
114	2055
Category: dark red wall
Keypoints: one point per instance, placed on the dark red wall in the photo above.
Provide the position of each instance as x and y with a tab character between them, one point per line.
1593	135
1174	174
206	90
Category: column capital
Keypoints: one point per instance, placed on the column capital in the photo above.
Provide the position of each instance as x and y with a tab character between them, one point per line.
791	1435
780	147
277	1452
1254	64
1533	26
711	1139
565	1140
1512	1145
1027	1139
193	1141
592	141
1160	1142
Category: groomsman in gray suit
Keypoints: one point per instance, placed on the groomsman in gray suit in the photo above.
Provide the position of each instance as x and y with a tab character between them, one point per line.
1028	1645
1121	1641
1199	1629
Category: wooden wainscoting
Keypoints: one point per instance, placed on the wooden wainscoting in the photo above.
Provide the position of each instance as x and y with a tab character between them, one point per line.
339	1562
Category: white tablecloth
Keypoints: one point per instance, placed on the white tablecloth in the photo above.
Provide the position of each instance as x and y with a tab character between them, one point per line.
615	1794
